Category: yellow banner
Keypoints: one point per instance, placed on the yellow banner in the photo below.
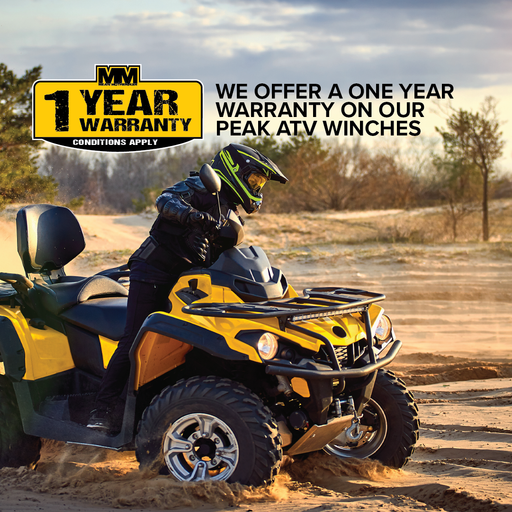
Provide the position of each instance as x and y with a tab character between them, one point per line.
118	111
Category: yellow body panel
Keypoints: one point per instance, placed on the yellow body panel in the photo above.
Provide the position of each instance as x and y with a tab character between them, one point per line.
46	350
290	293
108	348
157	354
300	386
352	324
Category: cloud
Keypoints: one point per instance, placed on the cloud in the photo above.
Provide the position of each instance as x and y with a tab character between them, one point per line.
202	12
465	43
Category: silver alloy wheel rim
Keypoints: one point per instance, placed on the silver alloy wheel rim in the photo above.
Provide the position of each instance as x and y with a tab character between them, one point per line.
200	447
370	442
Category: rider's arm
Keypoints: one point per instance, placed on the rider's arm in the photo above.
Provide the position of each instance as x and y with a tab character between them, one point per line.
173	207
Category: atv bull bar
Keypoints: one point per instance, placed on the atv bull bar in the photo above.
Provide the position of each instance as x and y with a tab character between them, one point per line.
327	373
315	303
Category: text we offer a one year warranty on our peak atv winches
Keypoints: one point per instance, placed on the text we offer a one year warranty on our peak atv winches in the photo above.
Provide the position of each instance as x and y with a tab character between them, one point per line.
359	117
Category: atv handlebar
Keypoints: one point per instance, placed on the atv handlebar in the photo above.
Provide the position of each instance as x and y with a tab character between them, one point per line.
16	279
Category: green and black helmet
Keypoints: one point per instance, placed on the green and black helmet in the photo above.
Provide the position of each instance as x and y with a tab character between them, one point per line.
244	171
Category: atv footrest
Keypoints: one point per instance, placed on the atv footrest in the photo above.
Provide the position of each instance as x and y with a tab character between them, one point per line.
68	407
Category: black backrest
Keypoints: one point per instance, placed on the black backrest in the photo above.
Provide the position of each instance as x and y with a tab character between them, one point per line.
49	237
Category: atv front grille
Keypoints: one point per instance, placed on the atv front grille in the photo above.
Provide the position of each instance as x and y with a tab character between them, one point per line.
347	355
341	355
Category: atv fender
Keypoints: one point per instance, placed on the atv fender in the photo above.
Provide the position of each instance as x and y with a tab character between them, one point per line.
163	341
12	353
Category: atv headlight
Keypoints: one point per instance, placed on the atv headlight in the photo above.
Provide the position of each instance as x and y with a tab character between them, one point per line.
383	330
267	345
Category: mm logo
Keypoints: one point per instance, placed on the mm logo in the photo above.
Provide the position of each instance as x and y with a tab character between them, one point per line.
118	75
117	111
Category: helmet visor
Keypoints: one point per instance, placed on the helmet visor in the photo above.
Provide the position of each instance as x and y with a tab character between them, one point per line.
256	180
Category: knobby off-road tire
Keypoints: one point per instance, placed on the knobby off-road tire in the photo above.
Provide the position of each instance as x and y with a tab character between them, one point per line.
391	424
16	448
210	428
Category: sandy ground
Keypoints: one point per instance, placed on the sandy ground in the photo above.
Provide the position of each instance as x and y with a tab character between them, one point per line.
452	308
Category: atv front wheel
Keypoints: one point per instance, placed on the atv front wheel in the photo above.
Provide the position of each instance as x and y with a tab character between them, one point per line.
389	426
16	448
209	428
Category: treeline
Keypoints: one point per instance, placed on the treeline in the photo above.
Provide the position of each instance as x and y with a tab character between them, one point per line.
323	176
459	171
346	176
120	183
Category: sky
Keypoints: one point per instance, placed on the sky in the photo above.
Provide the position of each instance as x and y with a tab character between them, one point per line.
467	44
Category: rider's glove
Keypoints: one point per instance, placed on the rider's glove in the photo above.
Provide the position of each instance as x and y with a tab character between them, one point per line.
203	221
198	243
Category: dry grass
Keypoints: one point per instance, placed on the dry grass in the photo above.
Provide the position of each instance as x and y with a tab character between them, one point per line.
396	236
418	226
109	258
387	236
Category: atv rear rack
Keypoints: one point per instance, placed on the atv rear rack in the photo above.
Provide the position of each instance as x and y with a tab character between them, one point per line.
315	303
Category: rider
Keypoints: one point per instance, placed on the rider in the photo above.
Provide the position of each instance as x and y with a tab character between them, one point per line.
188	219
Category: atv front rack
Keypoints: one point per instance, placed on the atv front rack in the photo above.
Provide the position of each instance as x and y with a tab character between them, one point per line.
315	303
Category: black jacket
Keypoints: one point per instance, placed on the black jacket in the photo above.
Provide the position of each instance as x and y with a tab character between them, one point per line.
166	249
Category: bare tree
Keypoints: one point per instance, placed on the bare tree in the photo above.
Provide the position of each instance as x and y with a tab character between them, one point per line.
336	177
98	184
475	138
131	173
458	183
69	168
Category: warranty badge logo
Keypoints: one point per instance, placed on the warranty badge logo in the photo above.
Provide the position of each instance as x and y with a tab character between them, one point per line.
118	111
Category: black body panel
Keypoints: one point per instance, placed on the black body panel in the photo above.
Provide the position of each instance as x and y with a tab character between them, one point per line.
248	273
85	349
11	350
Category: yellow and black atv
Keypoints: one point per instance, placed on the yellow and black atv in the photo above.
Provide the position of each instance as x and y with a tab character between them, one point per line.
242	369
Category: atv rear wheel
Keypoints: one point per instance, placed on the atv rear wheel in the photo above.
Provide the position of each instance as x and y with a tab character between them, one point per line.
390	425
16	448
210	428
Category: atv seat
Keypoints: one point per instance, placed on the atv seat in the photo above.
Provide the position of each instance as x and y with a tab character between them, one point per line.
58	297
106	317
